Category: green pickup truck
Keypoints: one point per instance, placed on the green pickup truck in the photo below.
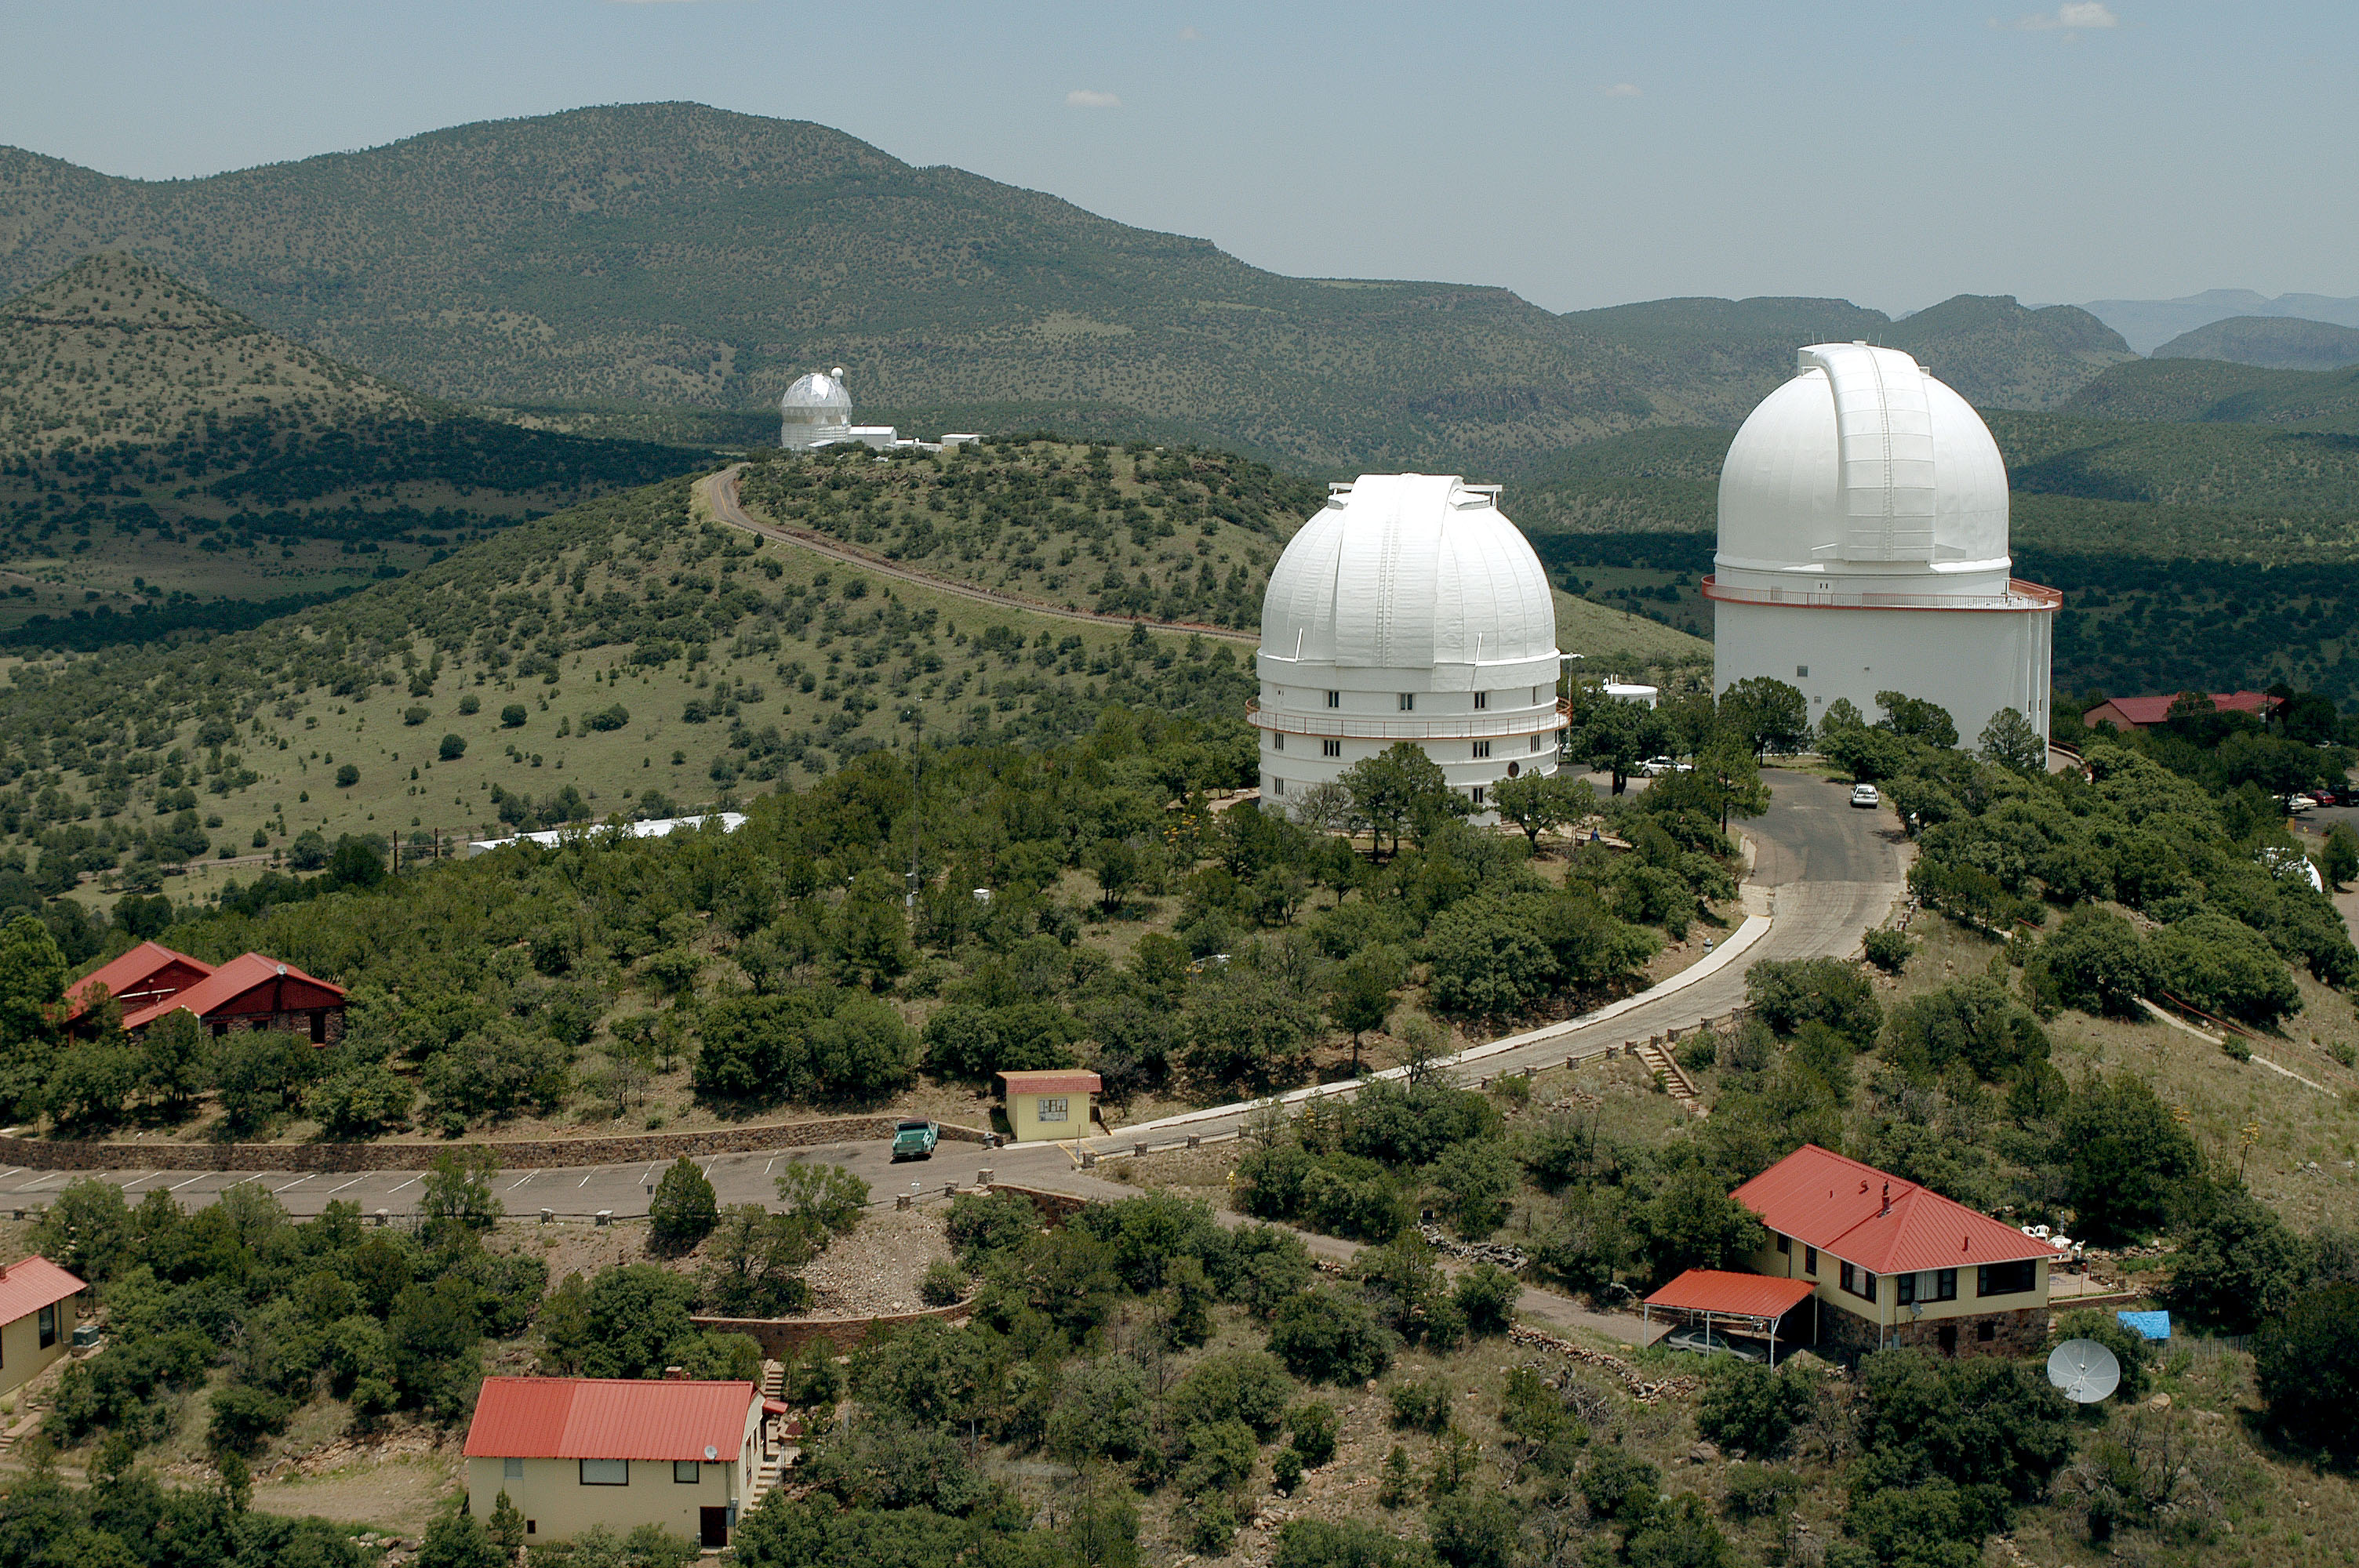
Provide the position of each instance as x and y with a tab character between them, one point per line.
915	1140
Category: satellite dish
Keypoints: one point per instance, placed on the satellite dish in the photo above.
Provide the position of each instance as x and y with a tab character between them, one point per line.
2084	1370
710	1451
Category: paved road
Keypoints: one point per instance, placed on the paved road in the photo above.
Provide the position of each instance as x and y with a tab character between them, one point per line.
719	492
1828	871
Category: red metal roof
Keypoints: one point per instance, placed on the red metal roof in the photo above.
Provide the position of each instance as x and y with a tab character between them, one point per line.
246	973
2145	710
1741	1296
26	1287
608	1417
1051	1083
1883	1224
138	980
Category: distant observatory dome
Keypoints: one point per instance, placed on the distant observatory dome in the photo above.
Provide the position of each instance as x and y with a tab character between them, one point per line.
1863	460
1408	609
816	409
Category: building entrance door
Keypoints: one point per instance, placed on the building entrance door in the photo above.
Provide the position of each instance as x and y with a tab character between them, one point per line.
713	1525
1948	1336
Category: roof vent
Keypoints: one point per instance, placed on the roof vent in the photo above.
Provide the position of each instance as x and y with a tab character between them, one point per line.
282	969
675	1374
1888	1201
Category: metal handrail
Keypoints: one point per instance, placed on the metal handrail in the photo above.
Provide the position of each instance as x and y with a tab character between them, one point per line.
1453	726
2020	595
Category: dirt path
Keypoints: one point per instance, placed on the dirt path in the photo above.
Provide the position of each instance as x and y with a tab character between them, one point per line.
718	493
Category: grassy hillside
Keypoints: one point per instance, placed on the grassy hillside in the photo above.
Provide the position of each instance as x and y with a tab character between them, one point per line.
2214	391
160	452
2269	342
619	657
586	268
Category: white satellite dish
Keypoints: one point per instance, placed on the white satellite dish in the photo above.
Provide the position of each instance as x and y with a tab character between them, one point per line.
2084	1370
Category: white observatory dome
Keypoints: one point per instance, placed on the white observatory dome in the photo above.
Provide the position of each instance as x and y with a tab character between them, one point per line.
1863	463
1409	609
816	408
1410	571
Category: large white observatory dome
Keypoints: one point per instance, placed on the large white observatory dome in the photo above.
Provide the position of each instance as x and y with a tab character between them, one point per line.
816	408
1408	609
1863	548
1863	460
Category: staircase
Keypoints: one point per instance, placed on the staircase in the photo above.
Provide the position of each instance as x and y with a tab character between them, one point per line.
768	1474
1657	1058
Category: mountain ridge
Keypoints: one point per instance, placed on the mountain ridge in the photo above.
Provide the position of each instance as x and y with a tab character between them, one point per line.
673	255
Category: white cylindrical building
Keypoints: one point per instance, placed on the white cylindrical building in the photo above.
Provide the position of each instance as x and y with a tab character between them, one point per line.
1408	609
815	411
1863	549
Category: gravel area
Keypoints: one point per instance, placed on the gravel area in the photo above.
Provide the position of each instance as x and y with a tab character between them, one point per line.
876	1269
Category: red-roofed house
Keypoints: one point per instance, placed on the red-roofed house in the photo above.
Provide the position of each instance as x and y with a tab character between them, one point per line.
622	1452
2127	713
138	980
1891	1262
251	991
36	1317
255	991
1051	1104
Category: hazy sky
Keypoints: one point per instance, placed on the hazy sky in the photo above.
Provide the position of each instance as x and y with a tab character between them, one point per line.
1894	154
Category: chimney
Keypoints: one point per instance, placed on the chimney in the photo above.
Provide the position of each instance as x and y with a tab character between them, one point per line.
1888	1201
675	1374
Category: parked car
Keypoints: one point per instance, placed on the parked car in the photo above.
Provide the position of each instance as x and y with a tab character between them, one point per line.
915	1140
1655	767
2299	803
2325	797
1866	796
1697	1340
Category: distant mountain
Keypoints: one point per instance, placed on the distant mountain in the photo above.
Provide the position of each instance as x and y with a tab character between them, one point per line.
2272	342
2215	391
673	256
2147	324
1998	354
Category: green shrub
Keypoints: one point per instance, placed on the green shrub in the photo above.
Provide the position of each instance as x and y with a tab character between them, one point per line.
1313	1426
1761	1491
1486	1296
605	719
1419	1404
2306	1362
684	1210
453	747
1345	1543
2223	967
513	716
347	776
1753	1410
1887	950
944	1282
1284	1472
471	704
1327	1337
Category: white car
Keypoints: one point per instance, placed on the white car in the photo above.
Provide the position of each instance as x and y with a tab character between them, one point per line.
1866	796
1655	767
2299	803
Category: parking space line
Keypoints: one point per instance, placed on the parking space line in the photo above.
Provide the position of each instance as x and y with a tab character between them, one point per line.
192	1180
355	1181
44	1182
296	1182
585	1180
526	1177
648	1172
5	1174
390	1191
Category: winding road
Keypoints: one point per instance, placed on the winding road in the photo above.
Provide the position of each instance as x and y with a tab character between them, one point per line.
718	491
1823	873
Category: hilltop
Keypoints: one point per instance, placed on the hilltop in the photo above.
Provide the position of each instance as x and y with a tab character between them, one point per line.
2147	323
2272	342
160	451
582	269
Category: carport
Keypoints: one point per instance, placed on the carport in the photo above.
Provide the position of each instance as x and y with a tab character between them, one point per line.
1746	1303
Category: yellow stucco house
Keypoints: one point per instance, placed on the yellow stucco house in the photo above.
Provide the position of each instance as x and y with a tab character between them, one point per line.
36	1318
1051	1105
576	1452
1890	1262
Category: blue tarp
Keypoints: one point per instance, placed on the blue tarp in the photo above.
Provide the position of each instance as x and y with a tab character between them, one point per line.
2152	1324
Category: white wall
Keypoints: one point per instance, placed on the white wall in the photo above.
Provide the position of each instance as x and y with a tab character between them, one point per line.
1972	662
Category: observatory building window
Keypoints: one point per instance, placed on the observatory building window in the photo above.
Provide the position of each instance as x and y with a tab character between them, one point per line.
1334	700
1479	794
1409	702
1481	700
1535	742
1802	671
1052	1108
1277	786
1277	741
1481	748
1330	748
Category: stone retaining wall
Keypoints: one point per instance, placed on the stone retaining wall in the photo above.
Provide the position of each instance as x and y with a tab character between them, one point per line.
1055	1207
782	1337
513	1153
